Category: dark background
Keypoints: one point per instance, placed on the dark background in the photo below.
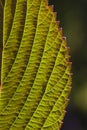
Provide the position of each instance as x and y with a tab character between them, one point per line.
72	15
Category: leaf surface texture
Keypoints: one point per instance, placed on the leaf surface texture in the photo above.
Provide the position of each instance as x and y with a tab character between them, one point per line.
35	67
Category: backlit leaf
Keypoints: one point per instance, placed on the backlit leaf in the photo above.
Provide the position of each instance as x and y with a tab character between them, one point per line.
35	68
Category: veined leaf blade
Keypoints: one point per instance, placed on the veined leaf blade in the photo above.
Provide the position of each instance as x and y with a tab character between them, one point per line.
36	76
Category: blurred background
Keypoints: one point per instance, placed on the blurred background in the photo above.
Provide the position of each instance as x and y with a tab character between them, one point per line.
72	15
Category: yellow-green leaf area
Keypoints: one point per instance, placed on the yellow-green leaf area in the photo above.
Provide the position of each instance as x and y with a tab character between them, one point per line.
34	66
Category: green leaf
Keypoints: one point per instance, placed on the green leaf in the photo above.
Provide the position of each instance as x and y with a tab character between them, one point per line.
35	68
1	36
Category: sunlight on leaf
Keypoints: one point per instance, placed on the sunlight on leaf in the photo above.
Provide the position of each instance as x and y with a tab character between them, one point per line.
35	69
